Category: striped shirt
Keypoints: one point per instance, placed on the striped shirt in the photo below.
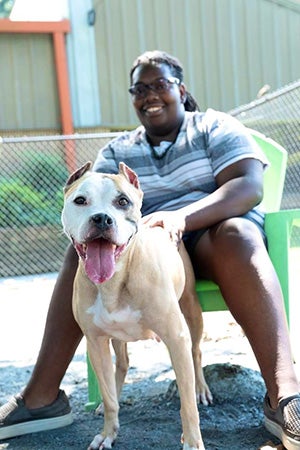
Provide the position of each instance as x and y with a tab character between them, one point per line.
186	170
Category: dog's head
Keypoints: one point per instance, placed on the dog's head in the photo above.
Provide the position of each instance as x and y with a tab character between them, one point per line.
100	216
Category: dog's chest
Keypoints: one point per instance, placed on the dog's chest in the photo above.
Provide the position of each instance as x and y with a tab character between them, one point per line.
122	323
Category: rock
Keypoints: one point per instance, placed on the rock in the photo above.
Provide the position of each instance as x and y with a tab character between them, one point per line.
228	382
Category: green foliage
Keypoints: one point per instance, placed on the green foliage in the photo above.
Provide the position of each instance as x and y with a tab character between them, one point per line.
44	172
22	206
33	195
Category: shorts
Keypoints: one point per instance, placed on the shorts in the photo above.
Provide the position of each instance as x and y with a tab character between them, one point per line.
191	238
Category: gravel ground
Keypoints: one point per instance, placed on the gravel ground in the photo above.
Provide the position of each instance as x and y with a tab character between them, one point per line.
149	414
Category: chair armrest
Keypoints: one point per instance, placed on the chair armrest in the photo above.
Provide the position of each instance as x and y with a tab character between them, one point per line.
278	228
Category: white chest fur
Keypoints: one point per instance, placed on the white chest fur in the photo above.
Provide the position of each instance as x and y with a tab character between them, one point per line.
123	324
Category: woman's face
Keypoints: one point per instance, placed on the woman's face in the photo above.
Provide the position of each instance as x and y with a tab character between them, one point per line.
162	111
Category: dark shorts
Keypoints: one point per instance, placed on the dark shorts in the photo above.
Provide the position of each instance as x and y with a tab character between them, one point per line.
191	238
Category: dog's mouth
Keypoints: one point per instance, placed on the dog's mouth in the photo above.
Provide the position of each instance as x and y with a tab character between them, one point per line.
99	258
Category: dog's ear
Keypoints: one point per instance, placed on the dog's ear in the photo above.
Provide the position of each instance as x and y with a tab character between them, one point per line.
78	173
129	174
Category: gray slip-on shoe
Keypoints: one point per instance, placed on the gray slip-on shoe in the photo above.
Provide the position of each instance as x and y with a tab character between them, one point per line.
16	419
284	422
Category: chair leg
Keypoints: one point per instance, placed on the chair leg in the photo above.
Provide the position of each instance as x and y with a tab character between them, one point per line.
94	394
278	229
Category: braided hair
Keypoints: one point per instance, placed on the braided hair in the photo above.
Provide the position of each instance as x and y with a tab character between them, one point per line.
157	57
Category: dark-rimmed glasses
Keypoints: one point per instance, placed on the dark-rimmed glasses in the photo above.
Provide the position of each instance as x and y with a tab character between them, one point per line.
160	86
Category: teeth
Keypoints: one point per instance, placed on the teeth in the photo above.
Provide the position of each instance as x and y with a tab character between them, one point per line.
154	108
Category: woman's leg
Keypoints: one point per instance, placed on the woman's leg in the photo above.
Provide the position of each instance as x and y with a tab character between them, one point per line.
233	255
61	338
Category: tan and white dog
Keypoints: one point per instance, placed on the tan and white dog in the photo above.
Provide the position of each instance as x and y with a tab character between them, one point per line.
127	287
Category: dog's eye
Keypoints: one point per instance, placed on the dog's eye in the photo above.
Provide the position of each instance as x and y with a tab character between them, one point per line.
80	200
123	201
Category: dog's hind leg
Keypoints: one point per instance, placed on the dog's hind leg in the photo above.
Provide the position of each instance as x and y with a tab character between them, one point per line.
191	309
122	363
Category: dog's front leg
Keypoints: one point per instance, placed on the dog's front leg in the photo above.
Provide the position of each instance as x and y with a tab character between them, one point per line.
122	363
178	340
100	356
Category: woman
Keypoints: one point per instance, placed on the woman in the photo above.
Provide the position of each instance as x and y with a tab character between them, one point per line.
202	177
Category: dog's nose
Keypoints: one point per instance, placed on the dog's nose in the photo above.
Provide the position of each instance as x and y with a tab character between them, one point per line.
102	221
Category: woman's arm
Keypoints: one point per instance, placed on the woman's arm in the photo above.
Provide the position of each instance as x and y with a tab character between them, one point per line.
240	188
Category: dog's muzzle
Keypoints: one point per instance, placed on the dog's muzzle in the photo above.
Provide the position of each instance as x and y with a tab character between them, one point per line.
102	221
100	249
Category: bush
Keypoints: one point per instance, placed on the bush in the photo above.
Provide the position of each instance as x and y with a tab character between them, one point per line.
21	205
32	195
45	173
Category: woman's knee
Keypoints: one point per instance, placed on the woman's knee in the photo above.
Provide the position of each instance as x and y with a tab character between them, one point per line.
235	234
227	244
238	247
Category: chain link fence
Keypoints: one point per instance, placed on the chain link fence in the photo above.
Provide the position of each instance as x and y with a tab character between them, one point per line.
277	115
34	170
33	173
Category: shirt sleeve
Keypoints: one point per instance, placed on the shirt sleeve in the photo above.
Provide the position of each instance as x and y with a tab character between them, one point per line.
106	161
229	141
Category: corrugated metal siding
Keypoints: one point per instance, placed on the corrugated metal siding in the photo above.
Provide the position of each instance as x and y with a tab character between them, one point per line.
28	94
229	48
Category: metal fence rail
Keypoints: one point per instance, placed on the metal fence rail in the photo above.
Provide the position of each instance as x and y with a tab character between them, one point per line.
34	170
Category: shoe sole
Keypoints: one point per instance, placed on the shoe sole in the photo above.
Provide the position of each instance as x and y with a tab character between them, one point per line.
35	426
288	442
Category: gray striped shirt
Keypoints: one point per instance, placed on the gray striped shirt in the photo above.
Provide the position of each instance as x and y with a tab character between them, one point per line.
206	144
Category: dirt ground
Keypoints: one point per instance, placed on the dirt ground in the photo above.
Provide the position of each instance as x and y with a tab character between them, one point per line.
149	413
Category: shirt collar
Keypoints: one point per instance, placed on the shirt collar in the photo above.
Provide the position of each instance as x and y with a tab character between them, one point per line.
140	135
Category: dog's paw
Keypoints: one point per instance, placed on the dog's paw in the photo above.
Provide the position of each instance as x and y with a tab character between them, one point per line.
101	443
199	445
204	396
99	411
188	447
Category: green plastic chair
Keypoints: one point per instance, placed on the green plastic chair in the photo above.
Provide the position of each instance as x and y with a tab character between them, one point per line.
209	294
278	228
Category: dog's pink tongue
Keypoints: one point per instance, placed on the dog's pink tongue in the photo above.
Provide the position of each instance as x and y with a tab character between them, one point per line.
100	260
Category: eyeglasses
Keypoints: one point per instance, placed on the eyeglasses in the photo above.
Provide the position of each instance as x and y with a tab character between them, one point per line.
160	86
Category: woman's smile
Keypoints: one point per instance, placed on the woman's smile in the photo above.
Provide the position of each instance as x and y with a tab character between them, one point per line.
153	110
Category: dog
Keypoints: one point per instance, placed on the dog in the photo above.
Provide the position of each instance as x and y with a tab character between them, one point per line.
127	287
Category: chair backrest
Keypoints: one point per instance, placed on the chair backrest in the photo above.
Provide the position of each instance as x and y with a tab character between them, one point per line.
275	174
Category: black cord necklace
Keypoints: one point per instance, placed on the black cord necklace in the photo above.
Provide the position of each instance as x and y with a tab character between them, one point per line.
160	154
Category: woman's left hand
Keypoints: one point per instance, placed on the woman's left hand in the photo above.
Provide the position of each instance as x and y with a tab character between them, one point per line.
172	221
